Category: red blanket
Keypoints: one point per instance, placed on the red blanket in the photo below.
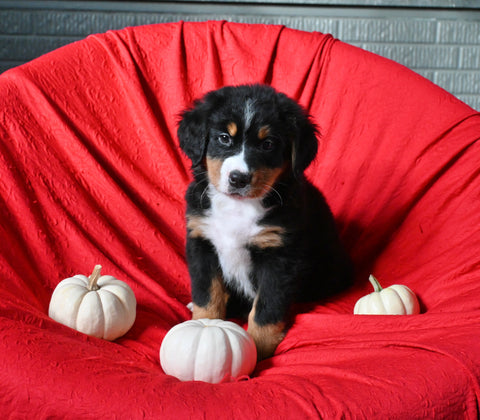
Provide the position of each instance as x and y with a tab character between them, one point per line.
91	173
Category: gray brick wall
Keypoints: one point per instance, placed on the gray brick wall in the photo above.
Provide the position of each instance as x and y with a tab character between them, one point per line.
441	43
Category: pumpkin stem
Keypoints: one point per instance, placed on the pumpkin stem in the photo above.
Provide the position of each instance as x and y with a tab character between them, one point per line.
92	280
375	283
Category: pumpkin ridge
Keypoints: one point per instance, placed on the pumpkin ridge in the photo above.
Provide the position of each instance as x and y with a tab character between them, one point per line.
197	348
68	315
103	316
241	342
78	279
408	299
229	349
110	293
82	301
377	302
109	299
124	287
108	281
397	296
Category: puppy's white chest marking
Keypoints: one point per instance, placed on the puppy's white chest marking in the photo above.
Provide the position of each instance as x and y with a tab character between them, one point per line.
230	225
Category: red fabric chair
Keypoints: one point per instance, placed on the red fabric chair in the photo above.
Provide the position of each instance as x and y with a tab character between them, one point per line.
91	172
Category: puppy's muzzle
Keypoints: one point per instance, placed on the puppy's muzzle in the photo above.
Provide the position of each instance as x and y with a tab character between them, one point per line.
238	180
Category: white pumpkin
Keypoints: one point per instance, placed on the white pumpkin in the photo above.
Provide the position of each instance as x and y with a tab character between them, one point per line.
100	306
209	350
394	300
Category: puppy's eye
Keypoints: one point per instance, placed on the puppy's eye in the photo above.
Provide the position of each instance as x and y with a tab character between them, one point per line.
267	145
225	140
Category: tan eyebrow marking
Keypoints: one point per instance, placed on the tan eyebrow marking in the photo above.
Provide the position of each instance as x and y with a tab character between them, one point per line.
232	129
263	132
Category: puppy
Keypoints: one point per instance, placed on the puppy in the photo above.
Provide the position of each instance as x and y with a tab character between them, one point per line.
259	235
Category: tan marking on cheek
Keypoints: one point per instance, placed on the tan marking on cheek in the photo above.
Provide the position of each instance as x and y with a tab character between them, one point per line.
264	179
213	167
264	132
217	306
266	337
232	129
269	237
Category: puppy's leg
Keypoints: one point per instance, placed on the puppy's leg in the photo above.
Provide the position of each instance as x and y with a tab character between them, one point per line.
208	291
266	326
216	308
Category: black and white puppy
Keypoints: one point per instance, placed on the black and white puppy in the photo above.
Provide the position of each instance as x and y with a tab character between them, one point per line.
259	235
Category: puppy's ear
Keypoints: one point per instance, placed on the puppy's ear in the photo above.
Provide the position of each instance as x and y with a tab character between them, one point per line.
193	132
305	145
303	134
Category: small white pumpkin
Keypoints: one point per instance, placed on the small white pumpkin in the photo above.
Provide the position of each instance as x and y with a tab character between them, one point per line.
209	350
394	300
100	306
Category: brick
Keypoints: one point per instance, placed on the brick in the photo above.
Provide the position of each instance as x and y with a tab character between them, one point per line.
418	56
312	24
25	48
428	74
472	100
150	18
80	23
66	23
470	58
6	65
459	82
304	23
15	22
77	23
458	32
388	30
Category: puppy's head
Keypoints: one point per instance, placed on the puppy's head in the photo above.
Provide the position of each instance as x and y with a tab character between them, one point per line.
247	137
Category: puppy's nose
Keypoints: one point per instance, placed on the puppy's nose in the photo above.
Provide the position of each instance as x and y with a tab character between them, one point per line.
239	179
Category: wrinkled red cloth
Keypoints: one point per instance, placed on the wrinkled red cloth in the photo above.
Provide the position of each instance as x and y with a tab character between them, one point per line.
91	173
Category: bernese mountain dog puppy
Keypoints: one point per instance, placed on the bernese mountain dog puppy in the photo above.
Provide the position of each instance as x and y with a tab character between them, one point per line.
260	236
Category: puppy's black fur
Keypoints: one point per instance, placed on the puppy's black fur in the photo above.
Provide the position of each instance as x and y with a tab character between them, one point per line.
259	235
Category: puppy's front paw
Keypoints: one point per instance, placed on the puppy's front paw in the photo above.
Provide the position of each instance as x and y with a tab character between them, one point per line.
266	337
